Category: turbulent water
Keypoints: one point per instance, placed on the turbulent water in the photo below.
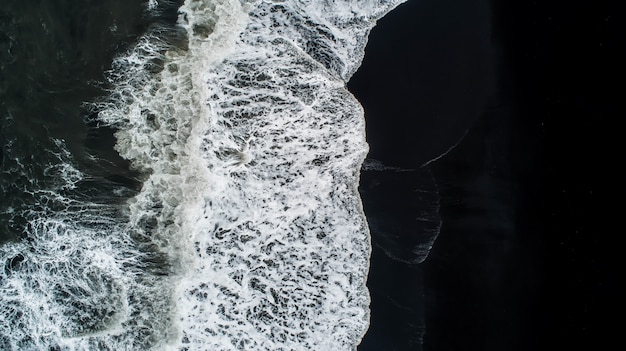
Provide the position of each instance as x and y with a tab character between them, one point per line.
246	230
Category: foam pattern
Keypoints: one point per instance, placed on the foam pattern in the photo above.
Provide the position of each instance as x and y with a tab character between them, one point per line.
248	232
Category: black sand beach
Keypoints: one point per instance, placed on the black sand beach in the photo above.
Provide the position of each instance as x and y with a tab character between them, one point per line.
524	259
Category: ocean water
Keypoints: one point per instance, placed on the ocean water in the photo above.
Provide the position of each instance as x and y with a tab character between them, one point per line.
183	175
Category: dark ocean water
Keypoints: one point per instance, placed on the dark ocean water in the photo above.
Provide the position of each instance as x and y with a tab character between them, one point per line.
54	58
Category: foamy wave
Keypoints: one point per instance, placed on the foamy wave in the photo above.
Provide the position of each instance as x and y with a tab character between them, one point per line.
253	146
248	232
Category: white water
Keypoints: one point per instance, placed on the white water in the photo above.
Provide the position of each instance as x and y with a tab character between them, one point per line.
248	233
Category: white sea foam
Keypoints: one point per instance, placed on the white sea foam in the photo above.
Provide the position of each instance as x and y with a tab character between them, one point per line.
248	233
79	280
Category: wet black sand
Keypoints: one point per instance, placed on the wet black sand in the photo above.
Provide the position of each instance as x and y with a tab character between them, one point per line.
527	256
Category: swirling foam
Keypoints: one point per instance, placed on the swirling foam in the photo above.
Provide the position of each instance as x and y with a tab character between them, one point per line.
248	233
78	280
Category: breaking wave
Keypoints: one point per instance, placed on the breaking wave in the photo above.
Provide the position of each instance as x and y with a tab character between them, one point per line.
248	232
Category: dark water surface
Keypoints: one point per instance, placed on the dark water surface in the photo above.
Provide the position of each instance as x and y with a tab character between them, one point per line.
53	60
